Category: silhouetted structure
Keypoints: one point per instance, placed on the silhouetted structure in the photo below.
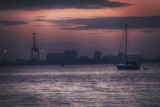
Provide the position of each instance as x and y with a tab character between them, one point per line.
55	58
128	65
34	50
84	58
110	59
70	55
122	58
97	55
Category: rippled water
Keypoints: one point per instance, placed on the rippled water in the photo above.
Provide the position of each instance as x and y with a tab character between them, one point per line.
79	86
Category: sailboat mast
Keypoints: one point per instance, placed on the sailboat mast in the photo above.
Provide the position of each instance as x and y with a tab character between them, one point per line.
126	49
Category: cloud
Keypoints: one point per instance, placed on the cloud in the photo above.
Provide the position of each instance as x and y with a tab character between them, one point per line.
107	23
11	23
41	20
40	16
58	4
148	31
95	33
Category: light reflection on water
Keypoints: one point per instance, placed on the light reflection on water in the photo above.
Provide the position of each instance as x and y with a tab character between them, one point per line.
79	86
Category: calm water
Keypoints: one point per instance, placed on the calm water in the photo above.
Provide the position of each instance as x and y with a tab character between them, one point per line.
79	86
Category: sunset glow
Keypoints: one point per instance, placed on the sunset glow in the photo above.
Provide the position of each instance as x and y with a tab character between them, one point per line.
72	24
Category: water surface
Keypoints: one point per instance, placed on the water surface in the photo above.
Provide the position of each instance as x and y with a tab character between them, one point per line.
79	86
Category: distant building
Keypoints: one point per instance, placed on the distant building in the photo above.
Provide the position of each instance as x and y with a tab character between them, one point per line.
55	57
97	55
70	55
109	59
83	57
134	58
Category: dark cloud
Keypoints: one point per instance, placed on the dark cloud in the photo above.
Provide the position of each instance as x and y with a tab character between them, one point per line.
41	20
107	23
57	4
10	23
148	31
40	16
95	33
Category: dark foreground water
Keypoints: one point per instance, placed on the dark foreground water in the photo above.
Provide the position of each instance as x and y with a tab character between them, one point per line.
79	86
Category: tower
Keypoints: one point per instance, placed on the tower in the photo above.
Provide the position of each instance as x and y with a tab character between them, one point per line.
34	50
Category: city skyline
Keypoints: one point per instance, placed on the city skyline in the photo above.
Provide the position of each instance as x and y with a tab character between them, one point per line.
85	26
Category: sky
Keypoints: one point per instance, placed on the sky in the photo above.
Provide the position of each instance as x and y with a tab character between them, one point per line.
82	25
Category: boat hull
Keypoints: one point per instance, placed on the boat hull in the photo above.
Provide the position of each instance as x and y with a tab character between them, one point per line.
128	67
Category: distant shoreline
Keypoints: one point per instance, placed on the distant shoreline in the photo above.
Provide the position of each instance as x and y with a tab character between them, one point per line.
36	64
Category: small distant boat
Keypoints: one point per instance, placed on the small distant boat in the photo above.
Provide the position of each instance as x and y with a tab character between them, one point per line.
127	65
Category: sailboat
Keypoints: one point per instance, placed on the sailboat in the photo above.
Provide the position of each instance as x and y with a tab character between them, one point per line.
123	50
